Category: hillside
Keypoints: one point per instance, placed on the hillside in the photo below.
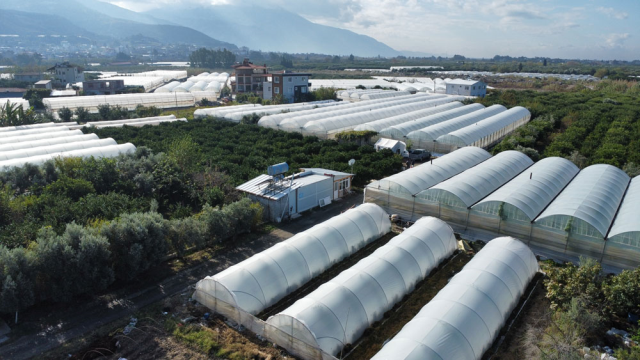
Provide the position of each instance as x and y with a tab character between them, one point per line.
32	24
92	20
271	29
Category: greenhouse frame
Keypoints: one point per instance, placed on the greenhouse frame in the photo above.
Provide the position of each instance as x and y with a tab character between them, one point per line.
623	241
47	142
426	137
378	125
340	310
400	131
512	208
96	152
32	131
397	193
578	220
262	280
128	101
326	127
463	320
52	149
488	131
40	136
452	199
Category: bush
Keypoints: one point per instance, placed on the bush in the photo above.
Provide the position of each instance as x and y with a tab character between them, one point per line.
65	114
82	114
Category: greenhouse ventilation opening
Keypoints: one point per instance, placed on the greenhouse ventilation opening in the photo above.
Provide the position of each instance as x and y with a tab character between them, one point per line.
340	310
464	318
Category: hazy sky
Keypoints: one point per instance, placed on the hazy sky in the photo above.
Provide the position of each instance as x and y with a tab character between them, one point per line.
590	29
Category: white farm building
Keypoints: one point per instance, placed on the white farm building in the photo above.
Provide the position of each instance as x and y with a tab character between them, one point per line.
466	88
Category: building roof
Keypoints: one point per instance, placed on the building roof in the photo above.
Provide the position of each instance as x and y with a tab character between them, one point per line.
43	82
264	186
287	73
388	143
247	65
462	82
326	172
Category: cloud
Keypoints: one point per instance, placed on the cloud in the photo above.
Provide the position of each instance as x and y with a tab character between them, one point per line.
612	13
616	40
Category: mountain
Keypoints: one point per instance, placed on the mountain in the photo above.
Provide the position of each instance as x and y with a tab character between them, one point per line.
91	16
32	24
271	29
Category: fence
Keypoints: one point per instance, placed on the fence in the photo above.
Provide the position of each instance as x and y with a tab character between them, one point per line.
293	343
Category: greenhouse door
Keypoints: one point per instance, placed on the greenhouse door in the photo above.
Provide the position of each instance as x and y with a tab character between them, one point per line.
336	190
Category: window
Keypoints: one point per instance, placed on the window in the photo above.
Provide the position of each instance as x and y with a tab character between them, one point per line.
290	79
276	79
466	88
303	78
277	89
303	89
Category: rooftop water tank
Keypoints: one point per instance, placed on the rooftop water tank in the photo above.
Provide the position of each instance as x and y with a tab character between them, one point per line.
277	169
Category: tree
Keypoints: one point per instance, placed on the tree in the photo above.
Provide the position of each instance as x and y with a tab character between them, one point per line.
82	114
631	169
12	114
286	61
351	58
185	153
65	114
519	67
544	62
208	58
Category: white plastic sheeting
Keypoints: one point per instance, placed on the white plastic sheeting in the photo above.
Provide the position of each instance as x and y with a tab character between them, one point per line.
39	136
348	122
97	152
489	130
128	121
339	311
401	130
277	109
464	319
29	127
472	185
627	221
593	197
15	102
220	111
383	95
432	132
128	101
381	124
140	123
32	131
168	87
262	280
50	149
46	142
534	189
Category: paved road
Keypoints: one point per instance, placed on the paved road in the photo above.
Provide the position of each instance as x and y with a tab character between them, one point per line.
78	320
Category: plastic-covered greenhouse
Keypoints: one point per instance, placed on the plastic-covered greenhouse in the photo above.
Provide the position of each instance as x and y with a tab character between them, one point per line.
325	127
39	136
623	241
488	131
400	131
47	142
451	199
168	87
512	208
97	152
15	102
297	121
463	320
378	125
578	220
51	149
221	110
426	137
139	123
262	280
340	310
383	95
397	193
32	131
28	127
128	101
277	109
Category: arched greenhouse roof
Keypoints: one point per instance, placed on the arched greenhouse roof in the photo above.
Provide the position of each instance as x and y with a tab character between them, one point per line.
262	280
399	119
463	320
593	196
472	133
429	174
432	132
340	310
474	184
628	218
46	142
534	189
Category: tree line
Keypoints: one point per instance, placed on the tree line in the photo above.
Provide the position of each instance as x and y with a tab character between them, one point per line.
209	58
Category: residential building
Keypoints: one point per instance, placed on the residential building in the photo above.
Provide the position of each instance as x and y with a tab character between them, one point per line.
66	73
43	84
466	88
249	78
28	77
289	84
102	87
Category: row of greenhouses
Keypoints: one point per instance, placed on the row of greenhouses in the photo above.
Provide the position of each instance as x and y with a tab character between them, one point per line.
128	101
552	204
36	145
237	113
138	122
15	102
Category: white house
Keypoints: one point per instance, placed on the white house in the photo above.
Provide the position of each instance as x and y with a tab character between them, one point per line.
466	88
66	73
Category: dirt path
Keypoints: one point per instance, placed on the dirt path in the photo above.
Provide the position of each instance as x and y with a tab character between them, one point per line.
65	323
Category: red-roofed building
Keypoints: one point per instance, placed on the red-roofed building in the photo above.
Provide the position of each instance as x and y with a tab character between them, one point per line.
249	77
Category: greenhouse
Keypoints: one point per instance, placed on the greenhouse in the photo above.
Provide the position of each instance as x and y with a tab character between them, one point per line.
396	193
46	142
426	137
346	94
28	127
168	87
140	123
15	102
128	101
126	121
578	220
32	131
277	109
378	125
451	199
97	152
39	136
400	131
324	127
383	95
623	242
221	110
464	319
44	150
512	208
296	121
340	310
262	280
488	131
356	96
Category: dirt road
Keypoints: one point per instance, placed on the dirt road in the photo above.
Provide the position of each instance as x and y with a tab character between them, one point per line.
70	322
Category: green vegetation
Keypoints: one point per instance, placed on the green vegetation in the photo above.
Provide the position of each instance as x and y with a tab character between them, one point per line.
588	126
207	58
15	115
